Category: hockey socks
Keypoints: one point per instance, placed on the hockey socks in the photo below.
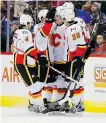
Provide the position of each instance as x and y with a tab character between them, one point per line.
82	94
58	93
76	96
47	93
35	93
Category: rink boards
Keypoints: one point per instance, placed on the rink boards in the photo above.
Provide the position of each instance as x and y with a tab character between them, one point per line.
14	93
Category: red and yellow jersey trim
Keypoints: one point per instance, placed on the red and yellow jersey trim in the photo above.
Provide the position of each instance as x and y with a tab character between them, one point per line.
45	30
35	95
48	89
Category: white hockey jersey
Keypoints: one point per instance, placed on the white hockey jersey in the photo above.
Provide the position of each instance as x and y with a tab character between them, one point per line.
84	27
22	41
75	41
59	42
37	28
44	44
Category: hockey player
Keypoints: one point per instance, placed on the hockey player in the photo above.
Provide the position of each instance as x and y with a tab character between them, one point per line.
76	46
41	16
58	52
86	34
23	48
43	70
78	13
44	45
25	56
83	25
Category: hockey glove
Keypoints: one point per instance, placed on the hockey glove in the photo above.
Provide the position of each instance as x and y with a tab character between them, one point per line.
42	60
50	15
79	63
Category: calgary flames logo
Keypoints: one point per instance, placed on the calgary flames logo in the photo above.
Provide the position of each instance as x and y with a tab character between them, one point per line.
51	40
54	40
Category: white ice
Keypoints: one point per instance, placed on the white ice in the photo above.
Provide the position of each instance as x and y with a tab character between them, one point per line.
22	115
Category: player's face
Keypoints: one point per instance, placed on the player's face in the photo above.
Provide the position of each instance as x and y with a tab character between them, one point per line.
93	8
57	19
28	26
43	20
99	39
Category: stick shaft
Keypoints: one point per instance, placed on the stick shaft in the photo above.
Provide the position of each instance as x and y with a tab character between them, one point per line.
18	49
57	71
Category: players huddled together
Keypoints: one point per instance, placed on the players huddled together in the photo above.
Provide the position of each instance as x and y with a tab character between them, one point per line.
59	41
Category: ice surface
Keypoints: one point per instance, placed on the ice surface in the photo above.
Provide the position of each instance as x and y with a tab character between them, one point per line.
22	115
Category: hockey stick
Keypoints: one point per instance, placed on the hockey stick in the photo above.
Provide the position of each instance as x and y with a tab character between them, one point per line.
67	77
65	97
61	101
93	31
79	76
23	52
64	75
19	49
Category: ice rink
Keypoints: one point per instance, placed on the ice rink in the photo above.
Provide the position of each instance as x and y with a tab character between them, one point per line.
22	115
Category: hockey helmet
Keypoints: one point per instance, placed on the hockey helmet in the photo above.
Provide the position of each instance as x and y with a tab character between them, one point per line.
68	15
68	5
59	12
42	14
25	19
59	8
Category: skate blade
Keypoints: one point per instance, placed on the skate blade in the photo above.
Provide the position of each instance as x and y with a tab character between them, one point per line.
38	114
76	114
56	113
31	110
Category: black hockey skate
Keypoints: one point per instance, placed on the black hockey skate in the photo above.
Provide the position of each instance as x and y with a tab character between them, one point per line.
33	108
30	107
51	109
48	108
58	109
55	110
64	106
72	109
75	110
80	107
